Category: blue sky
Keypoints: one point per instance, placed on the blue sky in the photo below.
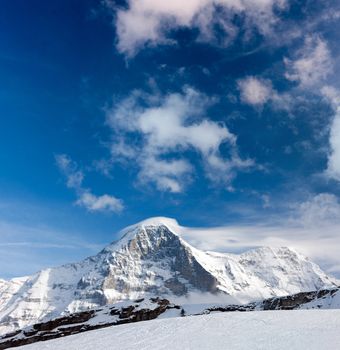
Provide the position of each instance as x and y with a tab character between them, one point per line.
219	113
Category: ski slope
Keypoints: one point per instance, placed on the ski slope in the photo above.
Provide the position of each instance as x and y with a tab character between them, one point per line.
272	330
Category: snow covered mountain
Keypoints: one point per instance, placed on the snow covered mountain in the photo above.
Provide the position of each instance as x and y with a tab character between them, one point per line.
151	259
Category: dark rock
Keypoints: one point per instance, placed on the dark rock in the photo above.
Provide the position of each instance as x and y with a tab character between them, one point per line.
76	323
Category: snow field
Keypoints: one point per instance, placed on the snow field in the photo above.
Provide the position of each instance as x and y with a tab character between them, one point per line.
262	330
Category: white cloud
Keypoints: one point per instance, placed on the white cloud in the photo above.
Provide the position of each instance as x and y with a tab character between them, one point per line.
311	69
149	22
74	177
255	91
312	242
312	230
156	131
319	210
312	64
74	180
258	91
99	203
168	175
333	166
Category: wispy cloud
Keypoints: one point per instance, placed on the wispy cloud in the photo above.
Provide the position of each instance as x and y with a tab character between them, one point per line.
150	22
311	69
312	64
28	247
99	203
322	209
333	166
312	228
38	245
257	91
35	236
86	199
156	130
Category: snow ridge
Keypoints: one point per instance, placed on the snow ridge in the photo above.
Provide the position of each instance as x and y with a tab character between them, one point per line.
150	260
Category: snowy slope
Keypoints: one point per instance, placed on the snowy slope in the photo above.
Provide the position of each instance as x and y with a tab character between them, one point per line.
152	260
269	330
264	272
149	309
329	301
10	288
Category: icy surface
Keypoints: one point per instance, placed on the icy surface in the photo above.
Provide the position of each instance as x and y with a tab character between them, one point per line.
151	259
270	330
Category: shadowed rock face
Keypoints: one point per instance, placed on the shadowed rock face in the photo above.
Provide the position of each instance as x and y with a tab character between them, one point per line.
324	298
158	249
296	301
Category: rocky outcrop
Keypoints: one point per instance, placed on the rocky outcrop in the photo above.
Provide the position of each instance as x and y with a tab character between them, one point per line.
303	300
86	321
156	249
143	310
297	301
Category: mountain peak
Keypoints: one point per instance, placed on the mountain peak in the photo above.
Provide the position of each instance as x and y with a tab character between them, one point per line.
148	225
156	221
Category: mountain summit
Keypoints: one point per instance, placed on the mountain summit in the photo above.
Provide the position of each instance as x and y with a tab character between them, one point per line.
151	259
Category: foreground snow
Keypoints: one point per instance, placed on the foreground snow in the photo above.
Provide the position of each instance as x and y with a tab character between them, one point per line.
303	329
